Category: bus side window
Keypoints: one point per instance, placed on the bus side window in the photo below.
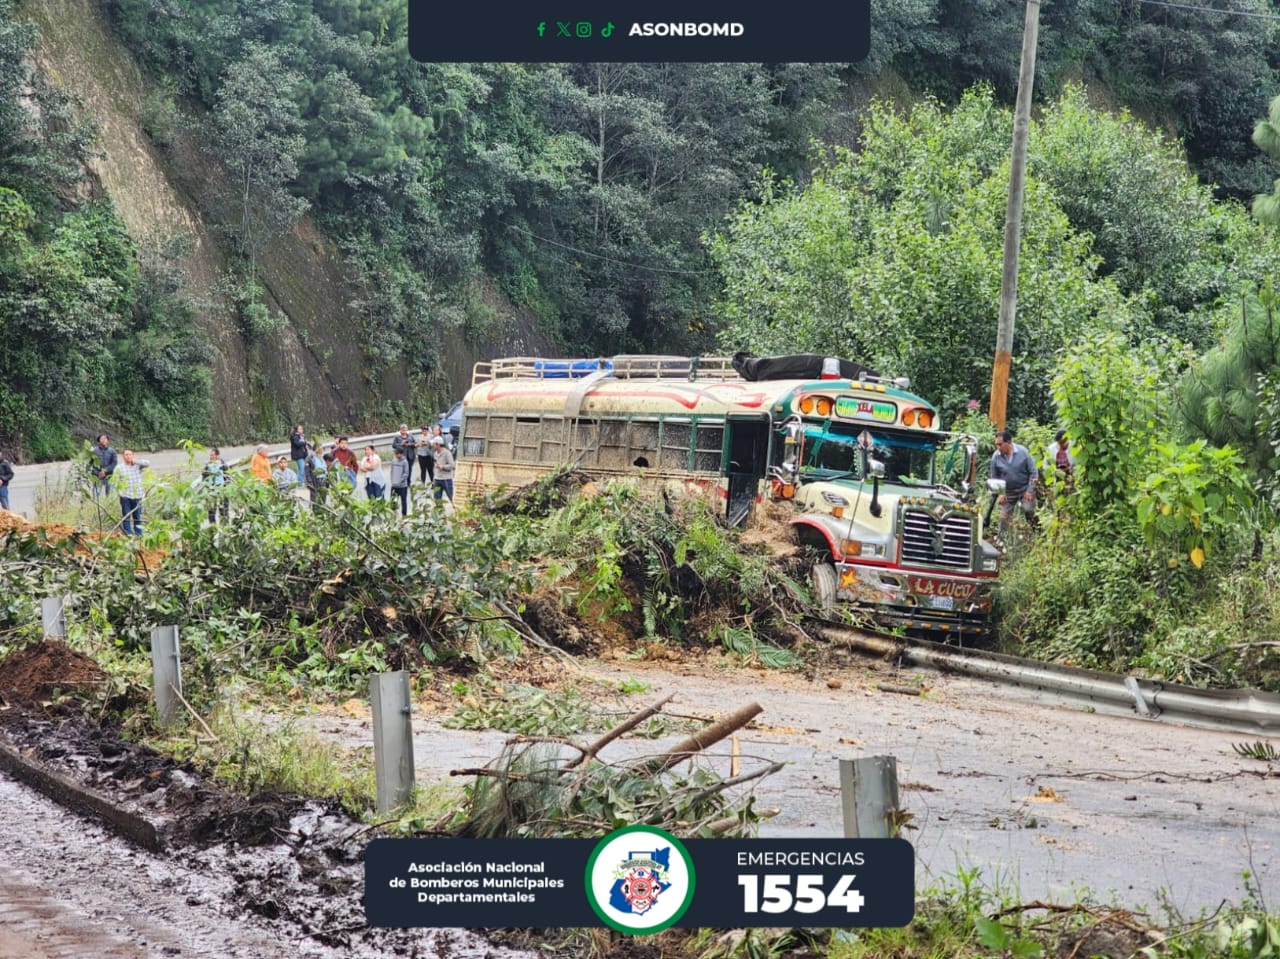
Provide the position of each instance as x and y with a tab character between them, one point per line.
501	432
710	448
644	441
676	438
553	445
613	445
584	443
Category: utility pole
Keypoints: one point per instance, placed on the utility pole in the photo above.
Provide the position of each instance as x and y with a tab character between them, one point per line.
1013	219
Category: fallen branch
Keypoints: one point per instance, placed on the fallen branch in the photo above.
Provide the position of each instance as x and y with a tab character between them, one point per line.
194	714
904	690
525	630
706	737
736	781
618	731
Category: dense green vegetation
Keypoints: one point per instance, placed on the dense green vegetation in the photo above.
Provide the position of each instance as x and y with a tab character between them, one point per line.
354	590
90	323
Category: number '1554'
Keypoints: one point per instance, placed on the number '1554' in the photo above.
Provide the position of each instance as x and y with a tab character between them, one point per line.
772	893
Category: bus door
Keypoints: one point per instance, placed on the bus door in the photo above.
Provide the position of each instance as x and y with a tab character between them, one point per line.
747	444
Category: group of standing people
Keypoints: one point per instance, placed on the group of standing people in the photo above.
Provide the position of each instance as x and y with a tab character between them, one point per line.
124	472
334	466
321	470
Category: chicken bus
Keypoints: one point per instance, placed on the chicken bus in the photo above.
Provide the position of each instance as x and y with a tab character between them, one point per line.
882	495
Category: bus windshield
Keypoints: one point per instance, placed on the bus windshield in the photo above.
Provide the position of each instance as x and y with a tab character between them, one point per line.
833	451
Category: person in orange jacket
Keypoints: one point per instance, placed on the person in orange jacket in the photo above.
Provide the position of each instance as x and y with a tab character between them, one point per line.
259	464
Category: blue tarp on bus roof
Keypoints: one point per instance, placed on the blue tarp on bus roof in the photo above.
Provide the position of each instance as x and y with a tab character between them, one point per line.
570	369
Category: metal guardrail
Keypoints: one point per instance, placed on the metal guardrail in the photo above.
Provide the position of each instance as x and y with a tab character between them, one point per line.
1247	710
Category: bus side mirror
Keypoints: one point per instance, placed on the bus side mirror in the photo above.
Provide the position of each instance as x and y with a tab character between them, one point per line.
876	469
970	470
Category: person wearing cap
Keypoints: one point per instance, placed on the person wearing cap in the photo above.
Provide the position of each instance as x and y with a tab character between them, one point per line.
375	480
443	481
401	477
259	464
285	477
426	461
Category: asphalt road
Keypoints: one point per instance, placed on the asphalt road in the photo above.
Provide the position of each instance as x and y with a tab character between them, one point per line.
41	479
1045	798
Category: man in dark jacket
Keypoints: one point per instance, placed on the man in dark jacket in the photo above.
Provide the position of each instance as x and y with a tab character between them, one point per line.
102	464
298	452
6	477
403	441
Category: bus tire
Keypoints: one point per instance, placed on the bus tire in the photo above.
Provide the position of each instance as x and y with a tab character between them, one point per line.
825	584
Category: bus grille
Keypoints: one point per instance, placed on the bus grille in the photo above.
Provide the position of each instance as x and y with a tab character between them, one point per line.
945	542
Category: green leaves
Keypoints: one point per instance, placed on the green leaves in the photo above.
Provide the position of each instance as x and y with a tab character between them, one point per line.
1106	395
1194	496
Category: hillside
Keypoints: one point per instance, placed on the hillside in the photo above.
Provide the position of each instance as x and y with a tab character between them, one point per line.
311	368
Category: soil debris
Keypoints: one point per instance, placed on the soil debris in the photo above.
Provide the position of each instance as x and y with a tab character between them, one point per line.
31	673
15	526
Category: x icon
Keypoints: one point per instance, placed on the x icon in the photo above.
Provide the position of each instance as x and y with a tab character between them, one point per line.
562	29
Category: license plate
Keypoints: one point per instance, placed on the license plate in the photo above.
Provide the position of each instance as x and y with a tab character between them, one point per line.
941	602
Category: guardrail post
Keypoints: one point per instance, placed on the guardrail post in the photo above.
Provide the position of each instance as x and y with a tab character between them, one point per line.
392	739
166	667
869	797
53	616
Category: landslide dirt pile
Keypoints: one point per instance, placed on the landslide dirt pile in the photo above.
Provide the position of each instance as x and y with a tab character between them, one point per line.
15	523
33	672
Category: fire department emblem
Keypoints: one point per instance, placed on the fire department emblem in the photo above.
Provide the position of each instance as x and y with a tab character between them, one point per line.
639	880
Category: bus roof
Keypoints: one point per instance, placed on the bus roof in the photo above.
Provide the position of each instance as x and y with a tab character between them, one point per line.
651	385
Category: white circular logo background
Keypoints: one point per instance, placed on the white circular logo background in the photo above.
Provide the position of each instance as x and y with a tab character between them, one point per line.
640	879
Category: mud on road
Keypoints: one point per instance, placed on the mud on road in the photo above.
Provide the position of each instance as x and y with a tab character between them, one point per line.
257	878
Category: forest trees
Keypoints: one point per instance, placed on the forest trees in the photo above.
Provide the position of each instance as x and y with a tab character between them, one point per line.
256	130
893	252
87	330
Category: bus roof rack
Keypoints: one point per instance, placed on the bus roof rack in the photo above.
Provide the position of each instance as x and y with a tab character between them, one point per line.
663	366
623	366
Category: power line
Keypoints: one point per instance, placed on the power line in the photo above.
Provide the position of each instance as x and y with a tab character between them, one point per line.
1230	13
608	259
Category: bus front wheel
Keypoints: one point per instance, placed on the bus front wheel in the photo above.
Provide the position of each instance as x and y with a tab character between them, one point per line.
825	583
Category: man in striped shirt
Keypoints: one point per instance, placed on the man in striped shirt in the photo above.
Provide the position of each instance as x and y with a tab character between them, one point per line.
128	480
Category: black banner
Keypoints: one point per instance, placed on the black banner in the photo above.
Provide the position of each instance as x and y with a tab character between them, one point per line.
639	880
710	31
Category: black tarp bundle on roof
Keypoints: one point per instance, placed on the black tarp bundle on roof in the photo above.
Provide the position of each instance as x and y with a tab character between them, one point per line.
794	366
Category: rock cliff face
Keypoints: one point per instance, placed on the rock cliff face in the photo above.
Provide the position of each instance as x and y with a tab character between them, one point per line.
312	370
